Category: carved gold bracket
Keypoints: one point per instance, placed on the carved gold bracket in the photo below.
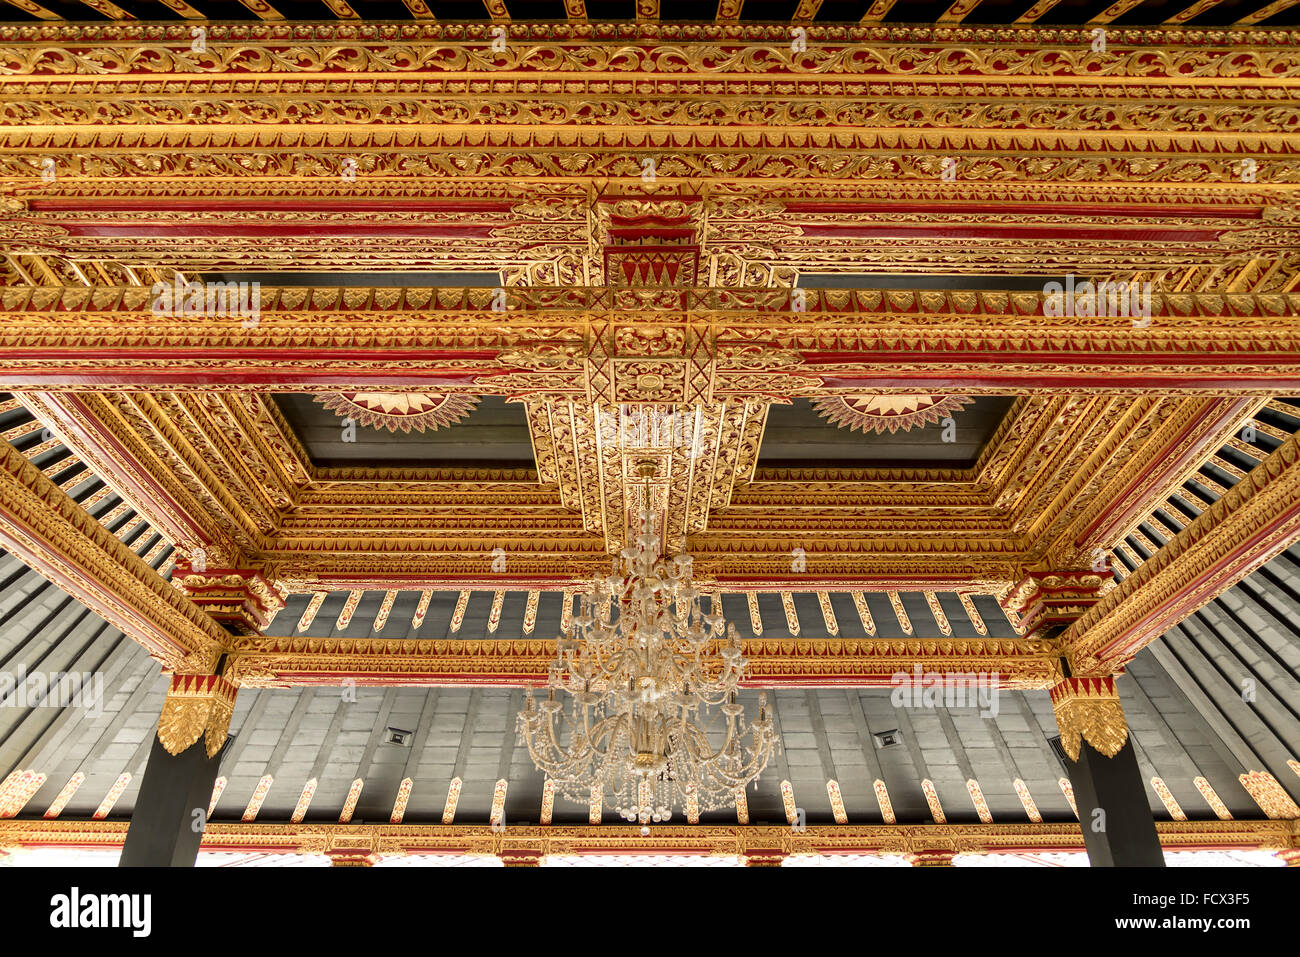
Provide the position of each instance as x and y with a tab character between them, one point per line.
196	706
1089	709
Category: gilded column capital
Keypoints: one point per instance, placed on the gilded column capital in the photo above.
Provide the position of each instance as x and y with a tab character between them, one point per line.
520	857
242	600
1088	708
196	706
764	857
1047	601
932	857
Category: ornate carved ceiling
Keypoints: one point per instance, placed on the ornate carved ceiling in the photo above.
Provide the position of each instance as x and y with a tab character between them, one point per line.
652	195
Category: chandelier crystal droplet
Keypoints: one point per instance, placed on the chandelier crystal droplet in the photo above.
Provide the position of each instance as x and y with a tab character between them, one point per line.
643	669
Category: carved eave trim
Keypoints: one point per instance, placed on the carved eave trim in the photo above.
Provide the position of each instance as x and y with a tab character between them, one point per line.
847	340
48	531
400	839
1021	664
91	439
1257	519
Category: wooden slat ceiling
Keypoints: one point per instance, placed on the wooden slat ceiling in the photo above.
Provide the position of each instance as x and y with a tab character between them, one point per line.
1120	13
1182	697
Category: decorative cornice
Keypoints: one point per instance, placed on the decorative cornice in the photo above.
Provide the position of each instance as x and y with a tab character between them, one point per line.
1255	520
48	531
740	840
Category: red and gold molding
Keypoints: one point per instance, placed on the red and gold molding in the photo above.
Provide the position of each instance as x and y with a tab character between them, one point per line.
770	841
1089	709
197	706
48	531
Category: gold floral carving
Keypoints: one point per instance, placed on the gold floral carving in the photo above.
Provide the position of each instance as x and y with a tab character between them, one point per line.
196	706
1089	709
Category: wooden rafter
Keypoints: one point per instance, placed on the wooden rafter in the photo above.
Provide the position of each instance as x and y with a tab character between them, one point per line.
806	11
1259	16
342	10
729	9
878	10
575	9
958	12
184	9
1190	13
1115	11
109	9
419	9
35	9
1039	8
497	10
263	9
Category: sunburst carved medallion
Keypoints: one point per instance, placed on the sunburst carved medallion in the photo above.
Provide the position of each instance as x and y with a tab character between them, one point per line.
888	413
402	411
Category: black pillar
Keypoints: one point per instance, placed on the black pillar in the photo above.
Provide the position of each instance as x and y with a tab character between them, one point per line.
165	831
1124	834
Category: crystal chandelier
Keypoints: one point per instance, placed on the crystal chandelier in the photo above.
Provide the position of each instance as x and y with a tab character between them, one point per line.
642	689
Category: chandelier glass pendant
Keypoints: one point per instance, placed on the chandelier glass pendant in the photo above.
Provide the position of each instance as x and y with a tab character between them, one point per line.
641	691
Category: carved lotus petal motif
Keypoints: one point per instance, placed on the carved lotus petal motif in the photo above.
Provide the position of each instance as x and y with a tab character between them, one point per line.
400	410
881	413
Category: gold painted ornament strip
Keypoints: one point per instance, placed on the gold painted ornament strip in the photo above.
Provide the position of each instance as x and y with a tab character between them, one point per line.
1212	799
900	612
755	618
350	805
1115	11
981	805
791	618
259	795
742	807
575	9
1269	795
263	9
864	613
309	614
806	11
342	10
566	611
878	10
1037	10
421	609
115	792
458	615
349	609
419	9
304	801
64	796
976	619
828	613
882	798
729	10
218	786
498	803
35	9
958	11
594	806
548	802
530	611
1167	797
22	788
1068	790
184	9
940	618
494	617
837	802
692	806
108	9
381	618
1262	14
1027	801
399	804
787	801
453	798
932	799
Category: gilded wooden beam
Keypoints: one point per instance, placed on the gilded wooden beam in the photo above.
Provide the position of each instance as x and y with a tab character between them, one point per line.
1018	663
976	341
1250	524
48	531
712	840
